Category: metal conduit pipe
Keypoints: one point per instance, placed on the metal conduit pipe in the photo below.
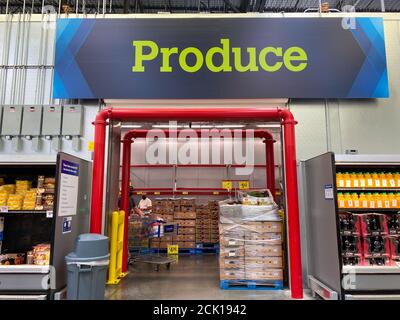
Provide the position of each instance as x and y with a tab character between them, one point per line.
284	116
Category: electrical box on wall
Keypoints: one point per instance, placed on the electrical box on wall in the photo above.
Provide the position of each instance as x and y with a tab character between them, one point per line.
31	121
72	121
12	118
51	125
1	116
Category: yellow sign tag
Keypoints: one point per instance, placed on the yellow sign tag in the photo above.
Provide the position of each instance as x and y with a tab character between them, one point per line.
185	192
227	185
244	185
140	192
216	192
173	249
157	193
90	146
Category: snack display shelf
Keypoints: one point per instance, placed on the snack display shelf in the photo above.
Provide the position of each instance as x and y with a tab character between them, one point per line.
368	189
372	269
26	211
25	268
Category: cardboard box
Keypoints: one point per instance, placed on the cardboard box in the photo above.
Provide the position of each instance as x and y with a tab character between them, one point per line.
187	209
232	252
185	237
167	217
267	237
262	263
186	230
231	263
186	223
271	274
188	202
185	215
232	274
186	244
231	242
262	250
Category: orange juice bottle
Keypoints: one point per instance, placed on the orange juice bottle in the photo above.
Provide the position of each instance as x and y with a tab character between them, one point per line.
393	200
362	181
384	180
371	201
376	180
368	178
356	200
378	200
385	200
397	179
339	180
347	180
390	180
363	200
341	200
354	180
398	199
348	201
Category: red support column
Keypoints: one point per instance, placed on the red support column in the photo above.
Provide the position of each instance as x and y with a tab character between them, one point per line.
98	173
296	282
270	162
126	165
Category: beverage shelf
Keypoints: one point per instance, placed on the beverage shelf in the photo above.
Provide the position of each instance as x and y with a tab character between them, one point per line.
369	189
371	269
394	210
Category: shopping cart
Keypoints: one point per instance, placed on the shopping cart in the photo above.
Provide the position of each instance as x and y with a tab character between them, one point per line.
141	231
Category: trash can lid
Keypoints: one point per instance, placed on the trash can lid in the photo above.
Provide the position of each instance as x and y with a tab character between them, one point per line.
89	247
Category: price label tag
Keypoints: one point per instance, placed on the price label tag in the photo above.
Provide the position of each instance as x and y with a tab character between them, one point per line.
215	192
227	184
49	214
90	146
139	193
173	249
3	209
156	193
185	192
244	185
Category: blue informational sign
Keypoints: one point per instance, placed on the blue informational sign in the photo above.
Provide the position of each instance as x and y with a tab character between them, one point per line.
67	225
70	168
220	58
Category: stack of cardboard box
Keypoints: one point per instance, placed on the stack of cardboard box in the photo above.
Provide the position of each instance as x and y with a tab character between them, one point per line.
250	250
207	223
182	212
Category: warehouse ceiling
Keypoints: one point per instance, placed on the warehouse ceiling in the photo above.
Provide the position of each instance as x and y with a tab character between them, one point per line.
194	6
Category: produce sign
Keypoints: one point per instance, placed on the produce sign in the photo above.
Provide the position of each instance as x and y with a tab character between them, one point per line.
220	58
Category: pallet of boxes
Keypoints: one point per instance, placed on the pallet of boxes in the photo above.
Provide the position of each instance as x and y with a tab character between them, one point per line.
250	242
164	209
207	229
180	211
186	220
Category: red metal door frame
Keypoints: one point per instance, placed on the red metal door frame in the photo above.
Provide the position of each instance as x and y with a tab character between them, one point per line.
131	135
284	116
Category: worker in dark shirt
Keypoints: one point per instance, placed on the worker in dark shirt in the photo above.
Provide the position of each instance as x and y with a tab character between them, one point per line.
132	203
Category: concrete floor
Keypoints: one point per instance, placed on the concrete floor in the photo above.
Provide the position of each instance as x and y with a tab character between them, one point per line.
192	278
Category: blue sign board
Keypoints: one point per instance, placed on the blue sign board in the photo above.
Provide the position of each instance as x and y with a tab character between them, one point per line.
225	58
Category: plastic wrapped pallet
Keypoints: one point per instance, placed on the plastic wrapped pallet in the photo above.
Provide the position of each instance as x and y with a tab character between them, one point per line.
250	240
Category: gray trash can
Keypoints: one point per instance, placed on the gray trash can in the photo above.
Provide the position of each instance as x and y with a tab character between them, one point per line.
87	268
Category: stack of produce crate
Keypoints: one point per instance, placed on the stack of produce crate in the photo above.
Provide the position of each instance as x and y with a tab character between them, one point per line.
250	245
207	223
186	220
